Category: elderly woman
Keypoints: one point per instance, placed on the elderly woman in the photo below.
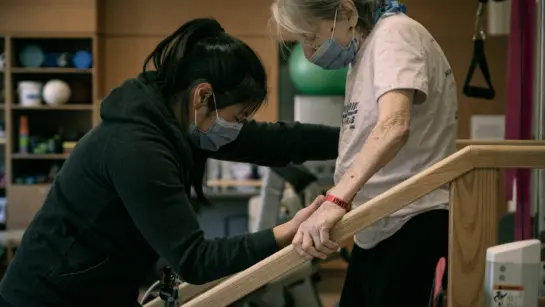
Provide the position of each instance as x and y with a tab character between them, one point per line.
400	118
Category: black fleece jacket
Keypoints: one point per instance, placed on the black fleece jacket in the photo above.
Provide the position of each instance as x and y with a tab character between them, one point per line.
120	201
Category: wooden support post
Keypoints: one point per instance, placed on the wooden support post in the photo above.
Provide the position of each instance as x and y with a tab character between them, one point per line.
473	228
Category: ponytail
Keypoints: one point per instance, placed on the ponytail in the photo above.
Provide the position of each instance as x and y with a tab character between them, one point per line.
173	50
201	52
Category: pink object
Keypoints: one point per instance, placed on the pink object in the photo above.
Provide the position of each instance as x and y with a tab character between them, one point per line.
439	274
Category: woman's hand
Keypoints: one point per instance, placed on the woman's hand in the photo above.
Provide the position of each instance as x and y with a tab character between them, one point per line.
284	233
312	238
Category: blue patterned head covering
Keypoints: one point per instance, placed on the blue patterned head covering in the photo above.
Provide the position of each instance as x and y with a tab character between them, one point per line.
389	8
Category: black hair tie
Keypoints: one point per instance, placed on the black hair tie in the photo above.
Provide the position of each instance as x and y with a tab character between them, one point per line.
220	30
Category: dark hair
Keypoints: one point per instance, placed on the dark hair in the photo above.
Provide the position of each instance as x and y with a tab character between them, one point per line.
366	11
200	51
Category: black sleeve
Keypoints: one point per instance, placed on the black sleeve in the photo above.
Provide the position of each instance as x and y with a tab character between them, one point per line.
278	144
148	181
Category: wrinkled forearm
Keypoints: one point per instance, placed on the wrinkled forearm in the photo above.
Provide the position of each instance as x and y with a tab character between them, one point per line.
383	144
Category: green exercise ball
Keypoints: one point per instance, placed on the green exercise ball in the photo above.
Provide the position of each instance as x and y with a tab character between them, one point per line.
310	79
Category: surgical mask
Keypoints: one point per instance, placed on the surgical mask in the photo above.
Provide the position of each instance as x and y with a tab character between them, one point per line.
331	55
220	133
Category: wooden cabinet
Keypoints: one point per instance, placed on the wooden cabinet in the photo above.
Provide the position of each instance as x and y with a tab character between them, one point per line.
23	203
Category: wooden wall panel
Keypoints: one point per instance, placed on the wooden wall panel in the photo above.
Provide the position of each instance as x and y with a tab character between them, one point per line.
36	16
450	21
123	59
267	49
131	28
447	18
161	17
459	52
452	24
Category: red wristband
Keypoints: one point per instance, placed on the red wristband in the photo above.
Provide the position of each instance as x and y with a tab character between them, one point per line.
339	202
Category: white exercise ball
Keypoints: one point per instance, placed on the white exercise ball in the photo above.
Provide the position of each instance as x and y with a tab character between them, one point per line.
56	92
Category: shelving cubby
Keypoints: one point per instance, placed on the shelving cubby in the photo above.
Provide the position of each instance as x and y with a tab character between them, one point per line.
49	105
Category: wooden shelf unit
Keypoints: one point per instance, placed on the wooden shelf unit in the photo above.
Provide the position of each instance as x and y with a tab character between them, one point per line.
28	174
50	70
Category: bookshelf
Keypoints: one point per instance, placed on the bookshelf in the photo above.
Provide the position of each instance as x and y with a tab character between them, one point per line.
50	98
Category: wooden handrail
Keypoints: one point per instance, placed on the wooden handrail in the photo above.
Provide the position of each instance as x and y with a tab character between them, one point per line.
460	143
468	142
394	199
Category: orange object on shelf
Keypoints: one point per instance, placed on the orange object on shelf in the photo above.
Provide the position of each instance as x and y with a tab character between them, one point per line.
67	147
23	134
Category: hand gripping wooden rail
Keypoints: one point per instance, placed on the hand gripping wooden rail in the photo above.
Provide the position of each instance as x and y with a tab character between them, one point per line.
473	173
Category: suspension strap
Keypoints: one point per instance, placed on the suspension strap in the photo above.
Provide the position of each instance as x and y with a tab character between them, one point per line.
479	60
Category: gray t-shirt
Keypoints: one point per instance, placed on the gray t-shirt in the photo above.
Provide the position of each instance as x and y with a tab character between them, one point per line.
399	54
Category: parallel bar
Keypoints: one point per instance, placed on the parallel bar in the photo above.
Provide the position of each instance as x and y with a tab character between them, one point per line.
379	207
461	143
499	156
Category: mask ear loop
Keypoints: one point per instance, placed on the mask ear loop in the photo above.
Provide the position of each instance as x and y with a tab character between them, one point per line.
215	108
334	24
215	104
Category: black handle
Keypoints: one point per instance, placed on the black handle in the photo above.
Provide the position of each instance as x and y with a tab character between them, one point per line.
168	291
479	60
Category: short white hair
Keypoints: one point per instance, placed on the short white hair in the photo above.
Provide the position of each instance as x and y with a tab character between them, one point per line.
299	16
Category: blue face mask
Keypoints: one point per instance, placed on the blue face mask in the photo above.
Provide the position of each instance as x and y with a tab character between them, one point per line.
220	133
331	55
